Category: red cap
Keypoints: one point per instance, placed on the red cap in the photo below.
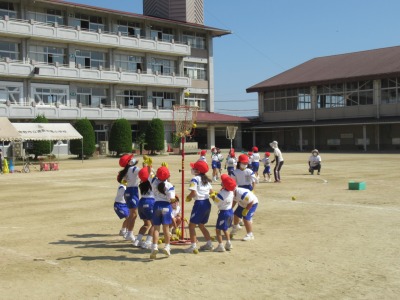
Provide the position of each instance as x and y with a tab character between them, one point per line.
200	166
255	149
144	174
228	182
244	159
267	154
203	152
125	159
250	153
232	154
163	173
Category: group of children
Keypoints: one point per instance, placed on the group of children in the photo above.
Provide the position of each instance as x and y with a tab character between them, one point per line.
158	205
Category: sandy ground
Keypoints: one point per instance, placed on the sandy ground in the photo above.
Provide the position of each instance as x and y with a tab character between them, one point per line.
58	237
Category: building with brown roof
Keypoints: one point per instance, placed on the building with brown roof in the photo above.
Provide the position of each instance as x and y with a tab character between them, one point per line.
344	102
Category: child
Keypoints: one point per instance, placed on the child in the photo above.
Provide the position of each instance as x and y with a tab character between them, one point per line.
224	200
243	176
250	163
267	166
314	162
255	161
247	206
278	159
216	163
145	208
200	188
176	218
130	174
203	155
231	162
120	207
164	193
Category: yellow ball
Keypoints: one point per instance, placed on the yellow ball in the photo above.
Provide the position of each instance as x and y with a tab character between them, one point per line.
194	125
293	198
187	94
160	241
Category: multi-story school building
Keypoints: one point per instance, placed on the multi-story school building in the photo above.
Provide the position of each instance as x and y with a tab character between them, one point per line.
346	102
69	61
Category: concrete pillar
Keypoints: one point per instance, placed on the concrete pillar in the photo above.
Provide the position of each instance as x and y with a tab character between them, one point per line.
301	138
237	142
314	102
210	136
365	137
254	137
210	75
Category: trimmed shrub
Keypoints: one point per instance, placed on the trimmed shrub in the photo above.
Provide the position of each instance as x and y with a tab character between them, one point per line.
120	137
85	128
41	147
155	136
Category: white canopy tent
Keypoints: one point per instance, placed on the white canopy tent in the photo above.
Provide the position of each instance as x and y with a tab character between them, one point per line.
8	131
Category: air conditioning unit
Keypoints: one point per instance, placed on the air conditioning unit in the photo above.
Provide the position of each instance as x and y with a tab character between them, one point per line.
18	149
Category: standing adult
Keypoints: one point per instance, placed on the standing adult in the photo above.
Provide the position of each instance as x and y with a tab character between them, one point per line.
314	162
278	159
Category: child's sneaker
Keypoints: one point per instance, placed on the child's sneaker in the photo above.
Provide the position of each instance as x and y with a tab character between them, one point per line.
192	249
166	251
136	243
206	247
145	245
122	232
248	237
220	248
228	246
130	237
154	253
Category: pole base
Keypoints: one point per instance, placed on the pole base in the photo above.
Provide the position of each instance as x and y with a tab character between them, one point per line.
181	242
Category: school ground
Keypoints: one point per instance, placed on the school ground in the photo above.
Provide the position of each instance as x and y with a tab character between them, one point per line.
58	237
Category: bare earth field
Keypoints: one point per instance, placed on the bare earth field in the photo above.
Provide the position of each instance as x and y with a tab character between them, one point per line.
59	237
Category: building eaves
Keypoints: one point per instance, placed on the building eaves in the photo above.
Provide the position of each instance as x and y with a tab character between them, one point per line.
209	117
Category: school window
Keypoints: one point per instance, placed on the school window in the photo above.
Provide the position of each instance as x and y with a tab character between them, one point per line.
162	66
161	34
90	59
331	96
164	100
11	92
87	22
47	54
130	98
51	16
91	97
195	40
287	99
10	50
390	90
195	70
199	100
128	63
8	9
50	95
129	28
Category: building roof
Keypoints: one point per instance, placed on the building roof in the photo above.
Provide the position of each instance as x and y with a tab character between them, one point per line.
208	117
375	63
215	32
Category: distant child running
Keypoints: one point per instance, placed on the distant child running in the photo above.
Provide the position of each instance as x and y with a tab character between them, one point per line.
255	162
224	200
203	155
247	206
216	159
267	167
164	193
120	207
244	176
231	162
200	188
250	163
278	159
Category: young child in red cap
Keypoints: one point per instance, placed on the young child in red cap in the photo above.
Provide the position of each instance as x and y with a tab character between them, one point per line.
200	188
267	167
255	161
231	162
224	200
203	155
120	207
244	176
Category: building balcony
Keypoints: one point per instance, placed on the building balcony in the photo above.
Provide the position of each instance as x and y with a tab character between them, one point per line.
74	35
21	69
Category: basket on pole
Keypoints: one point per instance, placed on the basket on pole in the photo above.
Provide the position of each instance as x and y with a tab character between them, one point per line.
185	117
231	133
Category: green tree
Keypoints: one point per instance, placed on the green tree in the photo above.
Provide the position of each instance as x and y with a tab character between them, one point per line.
85	128
155	136
120	137
41	147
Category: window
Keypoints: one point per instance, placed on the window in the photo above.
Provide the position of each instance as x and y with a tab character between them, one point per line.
162	66
390	90
50	95
164	99
199	100
10	50
8	9
129	63
51	16
92	97
129	28
330	96
161	34
47	54
130	98
195	70
287	99
11	92
90	59
195	40
92	23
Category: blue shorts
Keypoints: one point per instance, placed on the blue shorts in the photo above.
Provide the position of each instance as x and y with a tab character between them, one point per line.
121	210
224	220
255	165
216	164
250	214
162	213
247	186
267	170
132	197
230	170
145	209
200	212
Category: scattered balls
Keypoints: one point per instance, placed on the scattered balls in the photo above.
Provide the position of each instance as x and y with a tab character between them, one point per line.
293	198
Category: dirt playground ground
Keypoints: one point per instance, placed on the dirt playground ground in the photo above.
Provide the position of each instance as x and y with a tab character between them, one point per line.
59	237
